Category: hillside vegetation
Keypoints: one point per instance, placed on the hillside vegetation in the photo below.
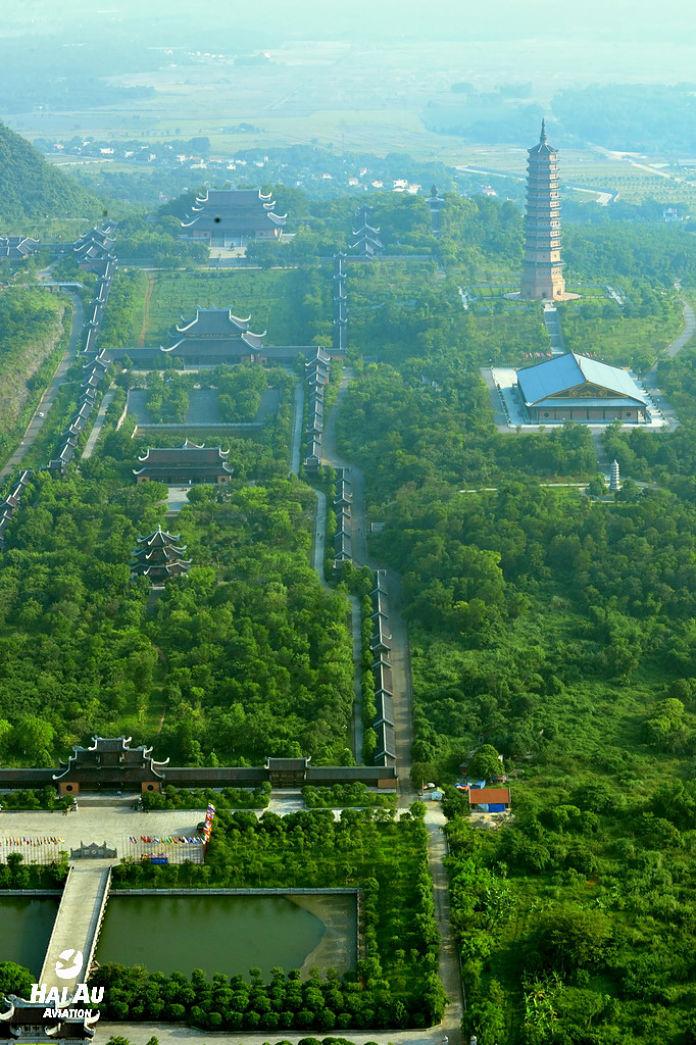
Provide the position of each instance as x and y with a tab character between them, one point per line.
31	190
30	330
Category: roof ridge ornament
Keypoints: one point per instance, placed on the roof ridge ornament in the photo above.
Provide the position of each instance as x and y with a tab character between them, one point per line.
542	136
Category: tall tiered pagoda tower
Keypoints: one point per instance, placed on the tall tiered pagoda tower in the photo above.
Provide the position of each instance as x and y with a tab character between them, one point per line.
542	269
159	557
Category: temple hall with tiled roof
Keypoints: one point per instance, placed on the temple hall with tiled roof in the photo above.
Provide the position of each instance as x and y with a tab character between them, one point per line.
214	336
233	217
575	388
184	465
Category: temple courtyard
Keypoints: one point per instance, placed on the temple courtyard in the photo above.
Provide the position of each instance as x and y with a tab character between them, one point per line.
41	836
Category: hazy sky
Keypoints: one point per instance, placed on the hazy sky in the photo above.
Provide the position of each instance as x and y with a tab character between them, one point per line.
369	57
625	20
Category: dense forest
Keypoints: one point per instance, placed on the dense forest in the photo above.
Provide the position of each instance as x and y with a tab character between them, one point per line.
555	627
245	656
551	624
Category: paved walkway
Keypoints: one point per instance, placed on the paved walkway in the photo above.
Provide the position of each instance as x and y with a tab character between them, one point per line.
49	396
98	424
686	334
77	923
297	429
552	322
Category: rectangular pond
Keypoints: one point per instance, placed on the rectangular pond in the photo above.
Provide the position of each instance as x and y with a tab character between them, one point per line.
231	934
27	923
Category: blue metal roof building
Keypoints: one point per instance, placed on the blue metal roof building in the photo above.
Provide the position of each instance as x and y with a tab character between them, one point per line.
575	388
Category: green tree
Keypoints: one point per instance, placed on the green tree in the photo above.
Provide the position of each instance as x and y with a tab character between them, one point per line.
485	764
15	979
33	736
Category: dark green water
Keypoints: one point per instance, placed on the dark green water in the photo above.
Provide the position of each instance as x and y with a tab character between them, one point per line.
26	930
225	934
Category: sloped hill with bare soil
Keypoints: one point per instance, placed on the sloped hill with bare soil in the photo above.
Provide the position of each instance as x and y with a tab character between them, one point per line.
31	327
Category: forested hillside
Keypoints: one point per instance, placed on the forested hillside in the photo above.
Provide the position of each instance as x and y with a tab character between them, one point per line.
31	189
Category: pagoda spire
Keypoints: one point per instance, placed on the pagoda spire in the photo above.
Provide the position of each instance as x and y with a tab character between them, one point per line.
542	268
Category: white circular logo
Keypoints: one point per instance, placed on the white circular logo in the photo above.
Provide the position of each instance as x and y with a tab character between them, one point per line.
68	971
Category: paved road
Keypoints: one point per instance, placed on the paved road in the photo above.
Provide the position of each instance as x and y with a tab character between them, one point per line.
448	963
48	398
686	334
401	677
175	1034
677	345
682	339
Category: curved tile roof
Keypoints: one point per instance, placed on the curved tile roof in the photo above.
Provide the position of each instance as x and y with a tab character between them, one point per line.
562	373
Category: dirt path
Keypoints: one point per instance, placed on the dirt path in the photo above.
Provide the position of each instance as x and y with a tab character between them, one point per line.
146	308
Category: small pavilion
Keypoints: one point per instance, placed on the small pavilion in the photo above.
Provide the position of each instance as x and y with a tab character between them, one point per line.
159	557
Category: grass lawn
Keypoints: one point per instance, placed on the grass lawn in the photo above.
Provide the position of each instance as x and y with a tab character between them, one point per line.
600	326
270	298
